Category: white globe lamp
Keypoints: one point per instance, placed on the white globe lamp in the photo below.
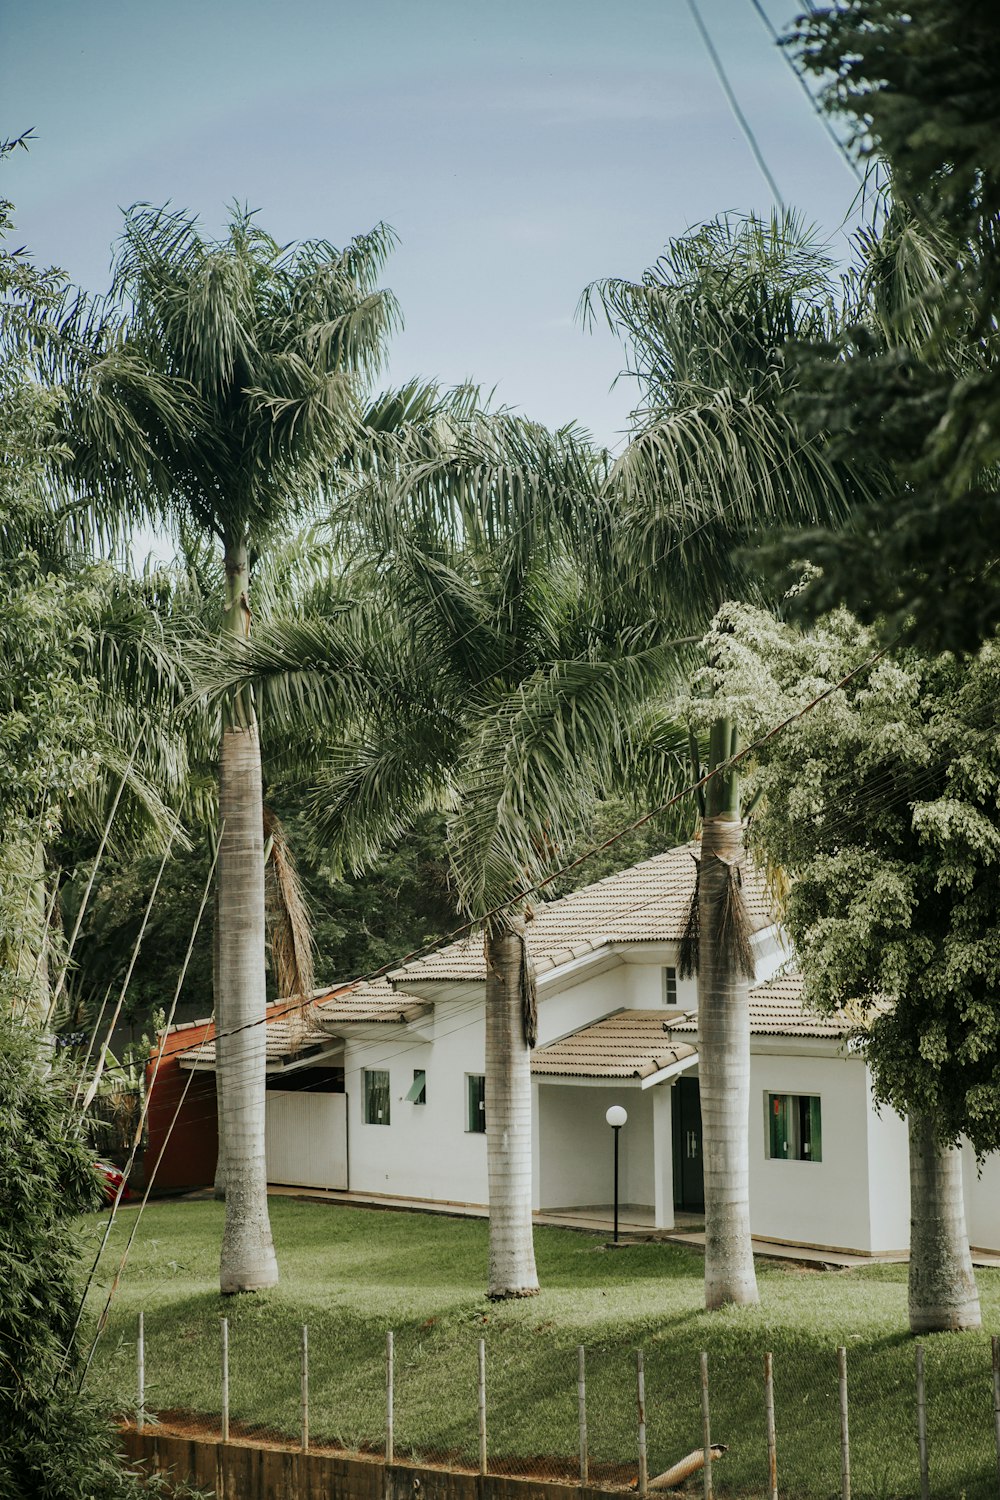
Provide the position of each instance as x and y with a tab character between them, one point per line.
616	1117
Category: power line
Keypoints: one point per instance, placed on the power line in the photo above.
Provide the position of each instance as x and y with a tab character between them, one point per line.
814	103
734	106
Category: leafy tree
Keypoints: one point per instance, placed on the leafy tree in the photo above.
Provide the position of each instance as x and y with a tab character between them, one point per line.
714	460
41	709
880	804
76	645
56	735
920	81
53	1442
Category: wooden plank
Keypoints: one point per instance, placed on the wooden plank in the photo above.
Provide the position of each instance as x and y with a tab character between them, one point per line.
772	1442
845	1431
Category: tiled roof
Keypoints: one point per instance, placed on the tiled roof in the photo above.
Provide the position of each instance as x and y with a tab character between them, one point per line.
647	903
278	1036
366	1001
629	1044
363	1003
776	1010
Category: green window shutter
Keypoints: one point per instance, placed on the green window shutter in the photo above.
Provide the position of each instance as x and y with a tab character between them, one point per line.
417	1092
794	1127
779	1116
815	1130
476	1116
376	1096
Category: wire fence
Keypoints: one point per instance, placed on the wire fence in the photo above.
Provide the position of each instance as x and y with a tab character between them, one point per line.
888	1420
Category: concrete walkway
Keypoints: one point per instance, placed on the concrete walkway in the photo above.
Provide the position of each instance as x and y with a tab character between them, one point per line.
635	1227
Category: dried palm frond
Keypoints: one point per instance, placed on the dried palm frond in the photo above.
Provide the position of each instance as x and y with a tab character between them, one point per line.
529	995
687	952
734	929
288	923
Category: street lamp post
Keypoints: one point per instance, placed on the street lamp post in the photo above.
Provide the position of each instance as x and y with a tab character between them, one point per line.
616	1118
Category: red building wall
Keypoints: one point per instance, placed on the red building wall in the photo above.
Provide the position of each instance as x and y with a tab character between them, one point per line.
181	1153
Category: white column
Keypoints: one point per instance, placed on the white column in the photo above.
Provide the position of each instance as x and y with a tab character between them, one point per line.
536	1149
663	1157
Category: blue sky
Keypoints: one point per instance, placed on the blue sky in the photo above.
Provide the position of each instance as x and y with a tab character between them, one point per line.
520	150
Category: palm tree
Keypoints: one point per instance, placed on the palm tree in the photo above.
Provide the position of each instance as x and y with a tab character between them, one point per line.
713	465
217	386
478	669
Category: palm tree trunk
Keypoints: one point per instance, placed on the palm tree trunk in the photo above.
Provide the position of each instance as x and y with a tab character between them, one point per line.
508	1115
220	1108
724	1040
942	1284
248	1261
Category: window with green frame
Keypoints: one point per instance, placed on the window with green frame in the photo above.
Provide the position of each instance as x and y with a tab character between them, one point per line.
475	1116
376	1096
795	1130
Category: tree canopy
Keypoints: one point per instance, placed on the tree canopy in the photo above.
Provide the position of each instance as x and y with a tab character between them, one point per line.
879	809
920	82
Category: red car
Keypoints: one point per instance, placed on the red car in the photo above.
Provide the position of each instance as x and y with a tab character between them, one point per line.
112	1179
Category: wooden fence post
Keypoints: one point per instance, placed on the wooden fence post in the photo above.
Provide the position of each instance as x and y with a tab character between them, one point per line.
706	1429
581	1402
389	1414
925	1483
640	1376
305	1387
225	1380
845	1436
995	1341
482	1406
772	1442
140	1369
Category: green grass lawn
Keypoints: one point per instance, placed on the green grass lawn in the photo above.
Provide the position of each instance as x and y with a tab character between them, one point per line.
351	1274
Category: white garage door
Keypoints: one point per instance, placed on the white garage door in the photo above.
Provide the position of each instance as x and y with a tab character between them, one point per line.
306	1139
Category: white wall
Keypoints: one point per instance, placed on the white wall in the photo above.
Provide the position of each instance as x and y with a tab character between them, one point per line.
576	1145
982	1200
824	1202
306	1138
888	1178
771	950
625	987
642	986
425	1150
637	1150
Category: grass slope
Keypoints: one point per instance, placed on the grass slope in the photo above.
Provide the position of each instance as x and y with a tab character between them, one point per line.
353	1273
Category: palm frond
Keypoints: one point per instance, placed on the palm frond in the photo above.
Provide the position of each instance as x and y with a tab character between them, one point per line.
536	760
289	927
314	673
719	304
370	790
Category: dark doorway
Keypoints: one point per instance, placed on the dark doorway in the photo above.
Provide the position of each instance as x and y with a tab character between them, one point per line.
689	1171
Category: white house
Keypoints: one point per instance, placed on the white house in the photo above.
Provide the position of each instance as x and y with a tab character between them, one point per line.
386	1096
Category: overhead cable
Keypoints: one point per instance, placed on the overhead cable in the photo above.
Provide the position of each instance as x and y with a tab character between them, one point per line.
733	103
